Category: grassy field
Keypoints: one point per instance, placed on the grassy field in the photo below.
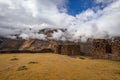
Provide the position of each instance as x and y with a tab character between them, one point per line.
56	67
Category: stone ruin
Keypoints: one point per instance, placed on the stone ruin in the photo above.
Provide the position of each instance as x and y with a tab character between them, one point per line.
116	48
106	49
96	48
85	48
100	48
67	48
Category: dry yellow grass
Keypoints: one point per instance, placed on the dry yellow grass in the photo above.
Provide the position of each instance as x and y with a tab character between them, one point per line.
57	67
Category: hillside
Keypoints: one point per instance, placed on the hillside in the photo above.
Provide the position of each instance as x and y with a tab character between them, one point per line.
28	44
11	44
34	44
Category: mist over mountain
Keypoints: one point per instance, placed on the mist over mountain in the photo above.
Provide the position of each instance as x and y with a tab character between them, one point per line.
27	18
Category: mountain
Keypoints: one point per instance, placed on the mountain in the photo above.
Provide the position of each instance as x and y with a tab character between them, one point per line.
29	44
11	44
1	39
34	44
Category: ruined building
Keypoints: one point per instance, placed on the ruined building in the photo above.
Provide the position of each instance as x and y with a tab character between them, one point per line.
100	48
85	48
66	48
96	48
116	48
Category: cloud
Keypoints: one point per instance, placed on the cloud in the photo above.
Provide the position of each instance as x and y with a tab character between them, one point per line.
90	24
59	35
19	15
104	1
26	17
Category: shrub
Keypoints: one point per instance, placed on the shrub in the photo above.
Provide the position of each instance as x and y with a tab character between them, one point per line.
32	62
22	68
82	57
14	59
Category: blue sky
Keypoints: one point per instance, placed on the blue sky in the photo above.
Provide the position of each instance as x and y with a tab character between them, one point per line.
77	6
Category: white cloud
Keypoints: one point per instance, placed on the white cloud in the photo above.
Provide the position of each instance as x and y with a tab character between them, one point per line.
27	17
97	25
104	1
19	15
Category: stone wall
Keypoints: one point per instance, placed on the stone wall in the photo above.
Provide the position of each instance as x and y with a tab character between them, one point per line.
116	48
68	49
85	48
100	48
